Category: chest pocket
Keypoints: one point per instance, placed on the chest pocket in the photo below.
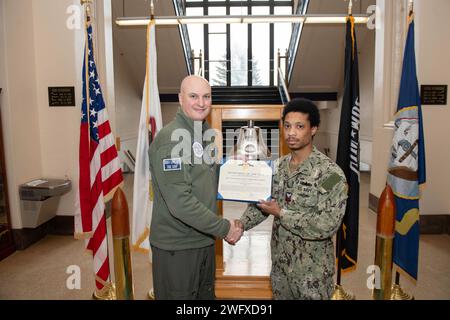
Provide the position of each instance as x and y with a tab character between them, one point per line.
300	194
199	173
277	187
306	196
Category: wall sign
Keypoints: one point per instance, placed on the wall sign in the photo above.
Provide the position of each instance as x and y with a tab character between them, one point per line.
61	96
433	94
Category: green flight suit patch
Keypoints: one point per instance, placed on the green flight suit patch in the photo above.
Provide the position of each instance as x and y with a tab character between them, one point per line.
330	182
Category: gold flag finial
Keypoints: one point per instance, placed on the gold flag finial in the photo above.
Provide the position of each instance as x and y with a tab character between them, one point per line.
87	10
152	10
410	5
350	5
410	11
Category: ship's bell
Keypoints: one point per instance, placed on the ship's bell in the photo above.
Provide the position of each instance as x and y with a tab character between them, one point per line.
250	144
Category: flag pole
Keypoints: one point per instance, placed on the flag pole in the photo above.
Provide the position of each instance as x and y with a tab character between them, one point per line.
147	69
87	17
151	292
397	293
339	292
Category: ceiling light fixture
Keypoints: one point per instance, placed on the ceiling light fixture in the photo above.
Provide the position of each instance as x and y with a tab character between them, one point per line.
176	20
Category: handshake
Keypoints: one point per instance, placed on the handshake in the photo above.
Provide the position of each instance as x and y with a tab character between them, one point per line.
235	232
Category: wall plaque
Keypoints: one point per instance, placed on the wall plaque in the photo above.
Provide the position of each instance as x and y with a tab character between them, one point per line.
433	94
61	96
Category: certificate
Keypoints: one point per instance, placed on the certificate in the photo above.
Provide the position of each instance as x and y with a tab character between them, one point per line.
249	181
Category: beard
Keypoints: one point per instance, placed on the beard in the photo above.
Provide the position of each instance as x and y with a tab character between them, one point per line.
298	144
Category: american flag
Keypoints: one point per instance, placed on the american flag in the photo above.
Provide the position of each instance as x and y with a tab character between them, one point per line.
100	171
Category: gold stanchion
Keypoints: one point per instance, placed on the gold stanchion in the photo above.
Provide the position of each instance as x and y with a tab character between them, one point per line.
397	293
340	294
384	243
108	292
151	294
122	256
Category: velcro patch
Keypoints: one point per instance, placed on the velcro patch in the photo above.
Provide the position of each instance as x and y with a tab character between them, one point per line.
173	164
330	182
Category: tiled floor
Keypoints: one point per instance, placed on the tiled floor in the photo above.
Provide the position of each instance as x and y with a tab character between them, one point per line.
251	255
45	269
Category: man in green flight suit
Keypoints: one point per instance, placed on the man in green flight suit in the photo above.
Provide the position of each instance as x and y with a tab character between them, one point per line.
184	217
309	194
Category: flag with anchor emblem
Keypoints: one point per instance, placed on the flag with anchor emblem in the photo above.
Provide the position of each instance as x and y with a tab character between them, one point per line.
407	165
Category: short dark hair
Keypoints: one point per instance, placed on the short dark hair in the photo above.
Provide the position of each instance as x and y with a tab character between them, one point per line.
304	106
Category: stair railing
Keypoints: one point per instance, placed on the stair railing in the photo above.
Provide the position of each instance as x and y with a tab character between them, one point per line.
186	44
301	9
282	87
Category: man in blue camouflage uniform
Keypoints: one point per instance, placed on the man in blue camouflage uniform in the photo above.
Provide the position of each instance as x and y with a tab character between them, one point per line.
309	194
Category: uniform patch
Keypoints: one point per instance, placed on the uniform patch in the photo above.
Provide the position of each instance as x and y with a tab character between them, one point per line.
330	182
172	164
288	197
198	149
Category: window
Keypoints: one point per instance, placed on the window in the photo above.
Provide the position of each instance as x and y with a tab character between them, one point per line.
240	54
239	50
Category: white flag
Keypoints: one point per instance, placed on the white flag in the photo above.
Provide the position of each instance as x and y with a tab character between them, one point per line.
149	124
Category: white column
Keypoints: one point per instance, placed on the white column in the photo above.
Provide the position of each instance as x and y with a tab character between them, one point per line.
389	45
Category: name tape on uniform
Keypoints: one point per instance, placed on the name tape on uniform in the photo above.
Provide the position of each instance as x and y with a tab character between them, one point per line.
172	164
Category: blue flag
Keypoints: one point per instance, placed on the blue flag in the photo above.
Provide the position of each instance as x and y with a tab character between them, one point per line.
407	164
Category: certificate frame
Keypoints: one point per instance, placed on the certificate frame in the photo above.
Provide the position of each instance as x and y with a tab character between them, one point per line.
245	181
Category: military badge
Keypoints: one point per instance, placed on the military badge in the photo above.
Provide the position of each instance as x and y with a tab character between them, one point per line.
198	149
288	197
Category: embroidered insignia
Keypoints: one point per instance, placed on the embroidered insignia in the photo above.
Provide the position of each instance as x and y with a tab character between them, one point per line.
330	182
288	197
198	149
172	164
